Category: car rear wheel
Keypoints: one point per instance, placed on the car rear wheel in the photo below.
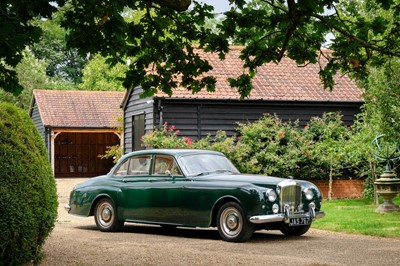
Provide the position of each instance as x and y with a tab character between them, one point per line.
232	223
295	230
105	216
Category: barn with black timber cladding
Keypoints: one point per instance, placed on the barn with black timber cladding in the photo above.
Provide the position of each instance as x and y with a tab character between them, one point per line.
285	89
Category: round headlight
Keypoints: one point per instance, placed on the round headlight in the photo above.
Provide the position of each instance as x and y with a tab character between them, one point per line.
275	208
309	193
271	195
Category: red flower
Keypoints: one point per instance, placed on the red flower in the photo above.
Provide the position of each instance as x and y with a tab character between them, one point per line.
282	134
189	141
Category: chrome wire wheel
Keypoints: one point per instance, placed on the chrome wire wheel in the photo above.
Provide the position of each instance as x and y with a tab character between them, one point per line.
232	224
105	216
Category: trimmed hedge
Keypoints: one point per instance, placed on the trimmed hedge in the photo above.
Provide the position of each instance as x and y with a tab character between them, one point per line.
28	195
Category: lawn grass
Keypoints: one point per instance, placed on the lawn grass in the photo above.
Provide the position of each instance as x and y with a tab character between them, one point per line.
358	216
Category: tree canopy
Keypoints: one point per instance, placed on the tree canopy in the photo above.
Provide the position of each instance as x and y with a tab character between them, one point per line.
61	62
161	41
16	32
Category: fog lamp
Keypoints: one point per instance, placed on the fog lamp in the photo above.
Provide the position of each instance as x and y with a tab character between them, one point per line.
275	208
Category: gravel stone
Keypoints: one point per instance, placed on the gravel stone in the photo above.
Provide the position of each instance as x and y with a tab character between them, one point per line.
76	241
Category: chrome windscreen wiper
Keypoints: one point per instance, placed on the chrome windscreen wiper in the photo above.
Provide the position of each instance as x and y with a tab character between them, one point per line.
201	174
213	172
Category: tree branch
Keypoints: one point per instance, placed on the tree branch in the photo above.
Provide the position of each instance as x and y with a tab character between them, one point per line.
294	21
177	5
355	38
274	6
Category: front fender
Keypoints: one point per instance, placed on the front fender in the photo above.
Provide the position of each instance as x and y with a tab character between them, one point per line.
250	198
83	201
80	202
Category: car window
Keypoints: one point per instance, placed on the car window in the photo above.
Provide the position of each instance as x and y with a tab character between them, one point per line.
122	169
165	165
139	165
200	164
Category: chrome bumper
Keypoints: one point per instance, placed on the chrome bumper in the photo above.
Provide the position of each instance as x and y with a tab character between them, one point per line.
67	208
280	217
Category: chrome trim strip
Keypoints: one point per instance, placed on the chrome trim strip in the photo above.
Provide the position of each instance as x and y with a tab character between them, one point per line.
262	219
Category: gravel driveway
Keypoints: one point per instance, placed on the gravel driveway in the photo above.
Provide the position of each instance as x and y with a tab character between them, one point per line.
76	241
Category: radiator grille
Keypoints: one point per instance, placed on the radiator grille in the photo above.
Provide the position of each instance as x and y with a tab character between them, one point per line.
290	194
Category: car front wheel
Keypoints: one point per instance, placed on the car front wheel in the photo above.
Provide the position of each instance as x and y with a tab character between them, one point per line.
232	223
105	216
295	230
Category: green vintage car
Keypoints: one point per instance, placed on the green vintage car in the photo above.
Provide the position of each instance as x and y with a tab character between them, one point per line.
195	188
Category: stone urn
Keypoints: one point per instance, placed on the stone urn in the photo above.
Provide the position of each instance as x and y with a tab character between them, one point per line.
388	186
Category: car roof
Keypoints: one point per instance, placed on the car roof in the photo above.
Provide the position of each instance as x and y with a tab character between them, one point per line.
173	152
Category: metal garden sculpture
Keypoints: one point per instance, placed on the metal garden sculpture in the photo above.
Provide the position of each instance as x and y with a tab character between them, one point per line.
387	185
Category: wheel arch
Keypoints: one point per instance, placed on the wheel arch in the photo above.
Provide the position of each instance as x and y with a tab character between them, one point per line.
97	199
218	204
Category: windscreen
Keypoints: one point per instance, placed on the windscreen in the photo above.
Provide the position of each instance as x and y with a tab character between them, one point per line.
202	164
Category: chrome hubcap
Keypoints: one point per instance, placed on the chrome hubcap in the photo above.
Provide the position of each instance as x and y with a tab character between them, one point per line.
106	214
232	222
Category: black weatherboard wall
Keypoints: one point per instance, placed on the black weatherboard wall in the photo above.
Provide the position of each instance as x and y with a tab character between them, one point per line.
135	109
198	118
291	92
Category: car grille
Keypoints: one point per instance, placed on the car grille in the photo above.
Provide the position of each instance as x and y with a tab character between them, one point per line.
290	194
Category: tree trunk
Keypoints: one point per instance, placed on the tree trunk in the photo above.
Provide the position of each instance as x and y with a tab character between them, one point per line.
373	175
330	193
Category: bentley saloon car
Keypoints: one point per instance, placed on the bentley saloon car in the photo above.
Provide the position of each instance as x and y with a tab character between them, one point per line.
195	188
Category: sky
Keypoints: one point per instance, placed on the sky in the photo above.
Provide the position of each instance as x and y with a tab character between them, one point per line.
220	6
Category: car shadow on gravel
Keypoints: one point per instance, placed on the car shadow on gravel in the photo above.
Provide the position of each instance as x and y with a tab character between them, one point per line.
197	233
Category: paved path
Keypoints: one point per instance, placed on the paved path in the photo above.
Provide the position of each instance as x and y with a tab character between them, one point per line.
76	241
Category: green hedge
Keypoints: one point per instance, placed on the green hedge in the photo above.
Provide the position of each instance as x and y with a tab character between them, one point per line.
28	196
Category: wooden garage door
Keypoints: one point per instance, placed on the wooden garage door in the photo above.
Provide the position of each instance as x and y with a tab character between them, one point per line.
77	154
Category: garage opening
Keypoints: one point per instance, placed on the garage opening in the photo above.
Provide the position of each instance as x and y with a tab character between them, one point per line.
77	154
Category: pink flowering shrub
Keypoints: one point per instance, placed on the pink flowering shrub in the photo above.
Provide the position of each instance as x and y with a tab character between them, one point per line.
165	138
272	147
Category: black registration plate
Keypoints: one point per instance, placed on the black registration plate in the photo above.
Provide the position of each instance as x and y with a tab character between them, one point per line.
299	221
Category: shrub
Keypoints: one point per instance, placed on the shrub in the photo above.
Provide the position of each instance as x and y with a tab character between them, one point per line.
115	152
220	142
28	197
272	147
166	138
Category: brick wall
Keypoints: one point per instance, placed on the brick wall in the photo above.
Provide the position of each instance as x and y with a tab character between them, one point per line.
341	188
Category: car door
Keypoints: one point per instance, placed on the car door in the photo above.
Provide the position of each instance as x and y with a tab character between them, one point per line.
134	197
150	192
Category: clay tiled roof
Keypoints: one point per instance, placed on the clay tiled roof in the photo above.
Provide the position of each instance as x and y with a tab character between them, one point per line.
79	109
283	81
